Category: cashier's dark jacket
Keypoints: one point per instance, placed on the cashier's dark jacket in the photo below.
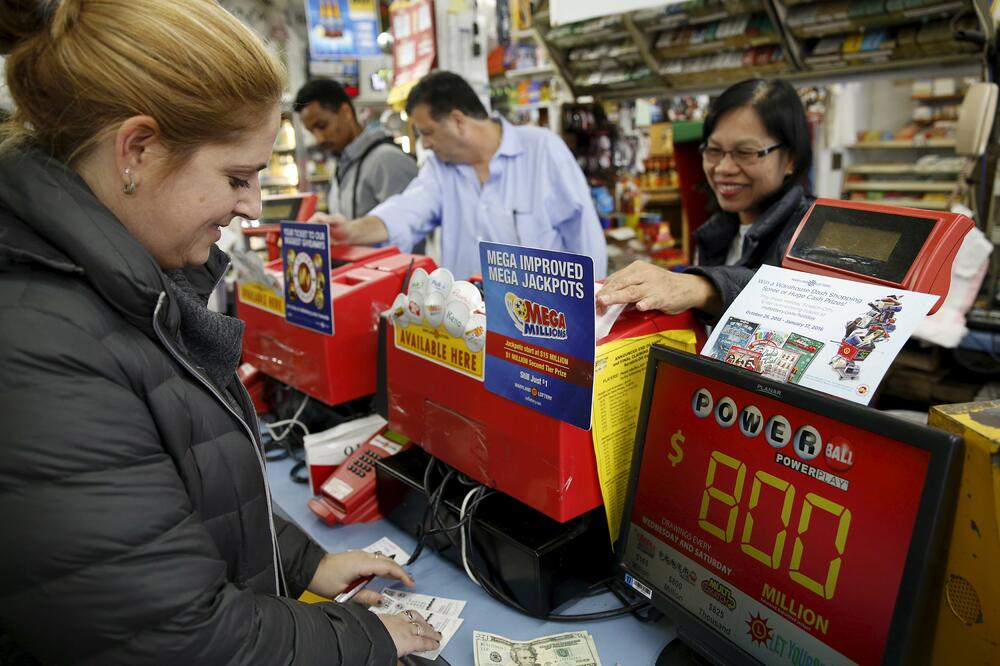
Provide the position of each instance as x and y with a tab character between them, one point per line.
765	243
137	525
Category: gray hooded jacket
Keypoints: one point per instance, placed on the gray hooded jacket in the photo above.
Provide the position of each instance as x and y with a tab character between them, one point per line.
383	170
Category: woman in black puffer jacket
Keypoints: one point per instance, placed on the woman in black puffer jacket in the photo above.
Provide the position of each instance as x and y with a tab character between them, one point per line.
137	525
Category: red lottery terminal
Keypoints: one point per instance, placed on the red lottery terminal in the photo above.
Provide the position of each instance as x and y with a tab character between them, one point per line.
898	247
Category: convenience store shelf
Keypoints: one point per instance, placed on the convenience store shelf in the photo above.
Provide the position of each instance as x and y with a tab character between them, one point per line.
274	181
531	106
728	44
944	99
926	204
898	186
925	40
816	28
930	143
901	168
530	72
661	195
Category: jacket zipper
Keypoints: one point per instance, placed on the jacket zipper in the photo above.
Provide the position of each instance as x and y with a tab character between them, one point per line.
279	575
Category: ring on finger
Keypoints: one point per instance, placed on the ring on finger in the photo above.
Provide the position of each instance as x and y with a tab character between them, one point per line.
409	615
416	628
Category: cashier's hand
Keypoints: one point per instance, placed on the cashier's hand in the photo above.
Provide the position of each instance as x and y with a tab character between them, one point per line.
338	225
411	632
650	287
367	230
338	570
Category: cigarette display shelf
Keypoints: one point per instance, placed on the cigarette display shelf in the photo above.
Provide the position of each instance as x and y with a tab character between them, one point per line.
706	44
862	16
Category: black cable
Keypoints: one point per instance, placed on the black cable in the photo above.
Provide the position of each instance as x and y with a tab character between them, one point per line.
446	529
297	474
617	588
426	529
499	595
433	501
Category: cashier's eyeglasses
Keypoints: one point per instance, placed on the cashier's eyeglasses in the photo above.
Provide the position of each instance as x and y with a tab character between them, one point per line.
714	155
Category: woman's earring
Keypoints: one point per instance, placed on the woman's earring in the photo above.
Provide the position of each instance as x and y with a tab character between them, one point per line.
129	187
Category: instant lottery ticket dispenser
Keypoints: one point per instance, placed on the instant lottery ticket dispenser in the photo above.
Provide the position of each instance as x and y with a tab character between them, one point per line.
538	534
337	368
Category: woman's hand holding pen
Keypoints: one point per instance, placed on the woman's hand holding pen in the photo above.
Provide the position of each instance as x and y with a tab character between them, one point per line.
336	572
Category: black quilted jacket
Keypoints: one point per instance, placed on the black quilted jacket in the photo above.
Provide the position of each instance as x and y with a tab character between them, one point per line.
765	243
136	521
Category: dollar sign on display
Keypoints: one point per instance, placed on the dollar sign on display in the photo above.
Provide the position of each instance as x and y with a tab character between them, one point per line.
678	453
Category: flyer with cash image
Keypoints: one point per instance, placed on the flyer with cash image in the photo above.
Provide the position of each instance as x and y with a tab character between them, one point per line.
735	333
828	334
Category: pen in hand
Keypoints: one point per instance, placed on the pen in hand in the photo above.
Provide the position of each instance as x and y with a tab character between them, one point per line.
356	587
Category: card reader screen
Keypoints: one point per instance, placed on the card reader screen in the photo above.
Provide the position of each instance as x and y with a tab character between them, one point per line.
870	244
865	242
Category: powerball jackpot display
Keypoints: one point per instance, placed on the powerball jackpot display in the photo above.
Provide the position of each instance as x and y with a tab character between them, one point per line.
796	528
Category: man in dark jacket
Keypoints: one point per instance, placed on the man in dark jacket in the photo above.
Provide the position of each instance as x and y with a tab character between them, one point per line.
370	167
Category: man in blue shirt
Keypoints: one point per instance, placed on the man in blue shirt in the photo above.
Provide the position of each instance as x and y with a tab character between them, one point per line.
487	180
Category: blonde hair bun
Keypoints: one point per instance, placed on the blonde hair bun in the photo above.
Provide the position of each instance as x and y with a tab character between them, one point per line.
77	69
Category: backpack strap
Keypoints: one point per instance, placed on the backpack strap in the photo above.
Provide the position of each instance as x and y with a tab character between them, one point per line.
360	162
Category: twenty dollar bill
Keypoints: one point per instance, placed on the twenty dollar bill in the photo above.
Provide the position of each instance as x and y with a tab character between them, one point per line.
573	648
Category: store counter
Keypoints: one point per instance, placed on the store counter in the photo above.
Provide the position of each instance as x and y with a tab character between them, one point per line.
622	640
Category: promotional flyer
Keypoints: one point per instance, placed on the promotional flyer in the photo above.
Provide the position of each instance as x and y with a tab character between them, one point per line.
540	329
305	262
832	335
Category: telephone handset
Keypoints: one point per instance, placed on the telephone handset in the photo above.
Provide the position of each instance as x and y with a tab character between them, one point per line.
348	495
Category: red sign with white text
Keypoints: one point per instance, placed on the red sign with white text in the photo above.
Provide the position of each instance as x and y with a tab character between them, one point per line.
413	47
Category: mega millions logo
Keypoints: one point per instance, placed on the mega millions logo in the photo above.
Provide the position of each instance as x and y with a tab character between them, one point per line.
534	320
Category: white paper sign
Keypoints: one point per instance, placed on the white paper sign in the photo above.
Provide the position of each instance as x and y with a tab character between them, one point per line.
832	335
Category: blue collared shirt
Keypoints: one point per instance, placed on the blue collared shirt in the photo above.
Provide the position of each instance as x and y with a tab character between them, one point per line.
535	196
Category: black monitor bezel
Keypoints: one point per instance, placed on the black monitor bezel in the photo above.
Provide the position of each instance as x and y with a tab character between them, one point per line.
925	558
897	266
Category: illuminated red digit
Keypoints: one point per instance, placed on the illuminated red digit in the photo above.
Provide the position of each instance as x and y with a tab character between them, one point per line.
827	588
729	499
773	558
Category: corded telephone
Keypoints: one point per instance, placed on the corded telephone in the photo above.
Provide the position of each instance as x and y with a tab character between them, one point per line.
348	495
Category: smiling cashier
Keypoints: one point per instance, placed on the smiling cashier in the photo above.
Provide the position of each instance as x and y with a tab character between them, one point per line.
756	158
